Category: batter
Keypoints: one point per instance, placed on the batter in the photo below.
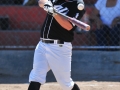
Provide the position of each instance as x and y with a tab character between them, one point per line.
54	50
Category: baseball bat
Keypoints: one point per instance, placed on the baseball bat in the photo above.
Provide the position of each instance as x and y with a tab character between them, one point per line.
78	23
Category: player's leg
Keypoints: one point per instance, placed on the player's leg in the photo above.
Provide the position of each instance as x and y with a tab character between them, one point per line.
60	64
40	68
75	87
34	86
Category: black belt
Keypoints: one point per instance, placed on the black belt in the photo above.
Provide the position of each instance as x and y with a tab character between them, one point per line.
53	41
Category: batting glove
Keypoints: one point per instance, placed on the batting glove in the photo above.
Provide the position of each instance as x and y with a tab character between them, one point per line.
48	6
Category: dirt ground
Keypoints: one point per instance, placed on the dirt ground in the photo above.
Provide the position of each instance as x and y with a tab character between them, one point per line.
90	85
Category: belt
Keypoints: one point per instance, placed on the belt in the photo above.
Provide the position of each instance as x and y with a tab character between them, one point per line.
52	41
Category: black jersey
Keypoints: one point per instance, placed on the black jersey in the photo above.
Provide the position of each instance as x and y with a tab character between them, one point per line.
53	30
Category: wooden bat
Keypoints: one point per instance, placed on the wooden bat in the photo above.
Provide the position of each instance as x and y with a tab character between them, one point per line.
78	23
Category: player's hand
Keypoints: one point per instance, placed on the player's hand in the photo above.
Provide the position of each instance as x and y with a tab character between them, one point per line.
47	5
60	9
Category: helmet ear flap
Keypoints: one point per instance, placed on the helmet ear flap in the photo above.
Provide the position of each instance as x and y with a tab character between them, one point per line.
75	87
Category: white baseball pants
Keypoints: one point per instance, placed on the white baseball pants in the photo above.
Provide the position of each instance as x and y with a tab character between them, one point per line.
56	57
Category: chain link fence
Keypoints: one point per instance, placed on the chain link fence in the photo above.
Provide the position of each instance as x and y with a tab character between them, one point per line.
21	21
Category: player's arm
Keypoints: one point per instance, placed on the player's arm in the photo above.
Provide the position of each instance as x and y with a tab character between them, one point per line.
61	20
41	3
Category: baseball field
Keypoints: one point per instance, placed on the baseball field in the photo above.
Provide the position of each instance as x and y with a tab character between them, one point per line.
87	85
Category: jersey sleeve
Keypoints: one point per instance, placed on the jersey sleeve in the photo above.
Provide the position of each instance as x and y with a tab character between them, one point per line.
74	12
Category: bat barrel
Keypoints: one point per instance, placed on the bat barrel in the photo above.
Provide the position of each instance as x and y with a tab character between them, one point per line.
78	23
87	28
84	26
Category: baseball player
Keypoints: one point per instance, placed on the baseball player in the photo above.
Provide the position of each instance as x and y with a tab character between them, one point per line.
54	49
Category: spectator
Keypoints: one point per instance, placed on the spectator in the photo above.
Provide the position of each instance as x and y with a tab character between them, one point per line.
106	15
30	2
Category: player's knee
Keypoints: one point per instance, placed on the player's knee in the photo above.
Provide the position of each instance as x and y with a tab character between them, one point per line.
75	87
34	86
